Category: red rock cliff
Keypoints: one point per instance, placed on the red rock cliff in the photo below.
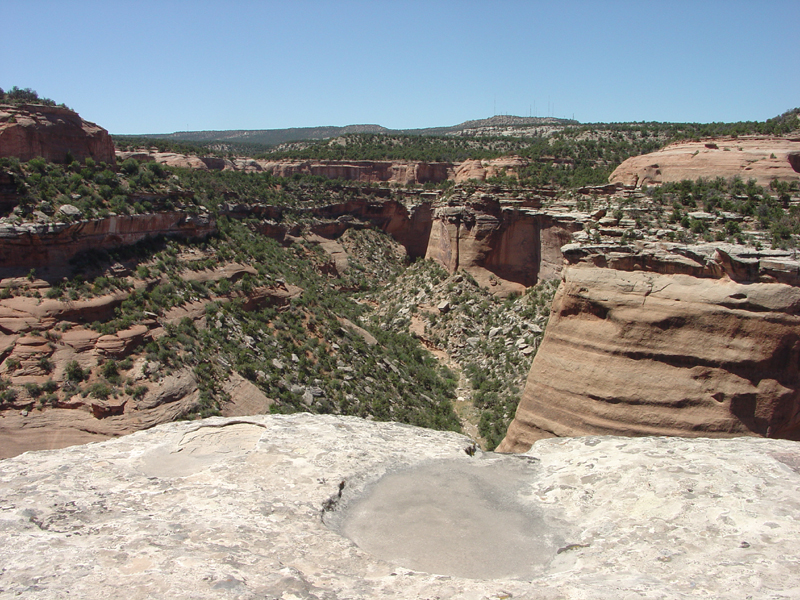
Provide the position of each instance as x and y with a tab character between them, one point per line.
51	132
493	242
52	245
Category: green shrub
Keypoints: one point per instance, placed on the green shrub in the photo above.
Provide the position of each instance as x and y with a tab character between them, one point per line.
74	372
100	390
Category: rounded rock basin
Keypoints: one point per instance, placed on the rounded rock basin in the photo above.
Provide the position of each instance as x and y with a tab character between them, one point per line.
454	517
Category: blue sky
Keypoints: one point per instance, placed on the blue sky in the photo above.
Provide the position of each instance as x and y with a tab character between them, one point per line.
158	67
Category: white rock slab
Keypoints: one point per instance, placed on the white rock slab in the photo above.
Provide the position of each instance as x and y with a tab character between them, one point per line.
233	508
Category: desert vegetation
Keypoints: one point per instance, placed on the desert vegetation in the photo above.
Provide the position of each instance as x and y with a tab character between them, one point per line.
387	338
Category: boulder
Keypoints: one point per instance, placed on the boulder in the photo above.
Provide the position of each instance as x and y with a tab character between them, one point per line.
245	398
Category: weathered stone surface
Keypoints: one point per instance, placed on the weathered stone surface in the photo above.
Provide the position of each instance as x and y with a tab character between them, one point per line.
708	260
368	171
638	353
480	170
246	398
759	158
234	507
51	132
175	387
364	170
53	244
121	343
502	245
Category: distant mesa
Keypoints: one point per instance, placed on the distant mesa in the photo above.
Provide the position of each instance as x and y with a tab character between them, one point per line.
272	137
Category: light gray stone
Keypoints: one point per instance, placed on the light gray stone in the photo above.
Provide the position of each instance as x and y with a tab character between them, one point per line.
260	507
69	209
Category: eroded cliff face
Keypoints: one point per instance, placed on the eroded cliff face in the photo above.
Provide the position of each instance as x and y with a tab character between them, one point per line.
497	244
637	352
51	132
365	171
52	245
35	349
759	158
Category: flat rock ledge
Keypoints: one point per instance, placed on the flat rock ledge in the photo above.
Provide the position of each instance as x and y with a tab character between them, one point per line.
248	508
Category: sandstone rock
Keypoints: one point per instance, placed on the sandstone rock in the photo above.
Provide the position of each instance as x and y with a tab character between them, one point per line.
360	331
480	170
516	247
108	407
69	210
759	158
246	398
52	245
333	249
121	343
234	507
51	132
364	171
637	353
172	388
22	314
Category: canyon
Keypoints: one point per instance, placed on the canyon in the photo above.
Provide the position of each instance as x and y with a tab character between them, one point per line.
363	171
639	461
633	306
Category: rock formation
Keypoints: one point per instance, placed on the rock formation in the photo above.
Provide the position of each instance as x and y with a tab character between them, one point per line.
500	239
666	341
262	506
365	171
27	245
52	132
759	158
481	170
39	338
497	243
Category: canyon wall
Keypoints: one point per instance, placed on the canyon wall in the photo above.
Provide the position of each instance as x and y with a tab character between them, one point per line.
495	242
51	132
365	171
708	350
34	245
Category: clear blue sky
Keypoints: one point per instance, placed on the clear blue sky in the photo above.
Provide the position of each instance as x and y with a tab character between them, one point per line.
157	67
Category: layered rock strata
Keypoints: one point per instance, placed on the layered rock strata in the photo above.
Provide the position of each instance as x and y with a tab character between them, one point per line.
759	158
52	132
711	348
52	245
497	243
365	171
39	338
248	507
